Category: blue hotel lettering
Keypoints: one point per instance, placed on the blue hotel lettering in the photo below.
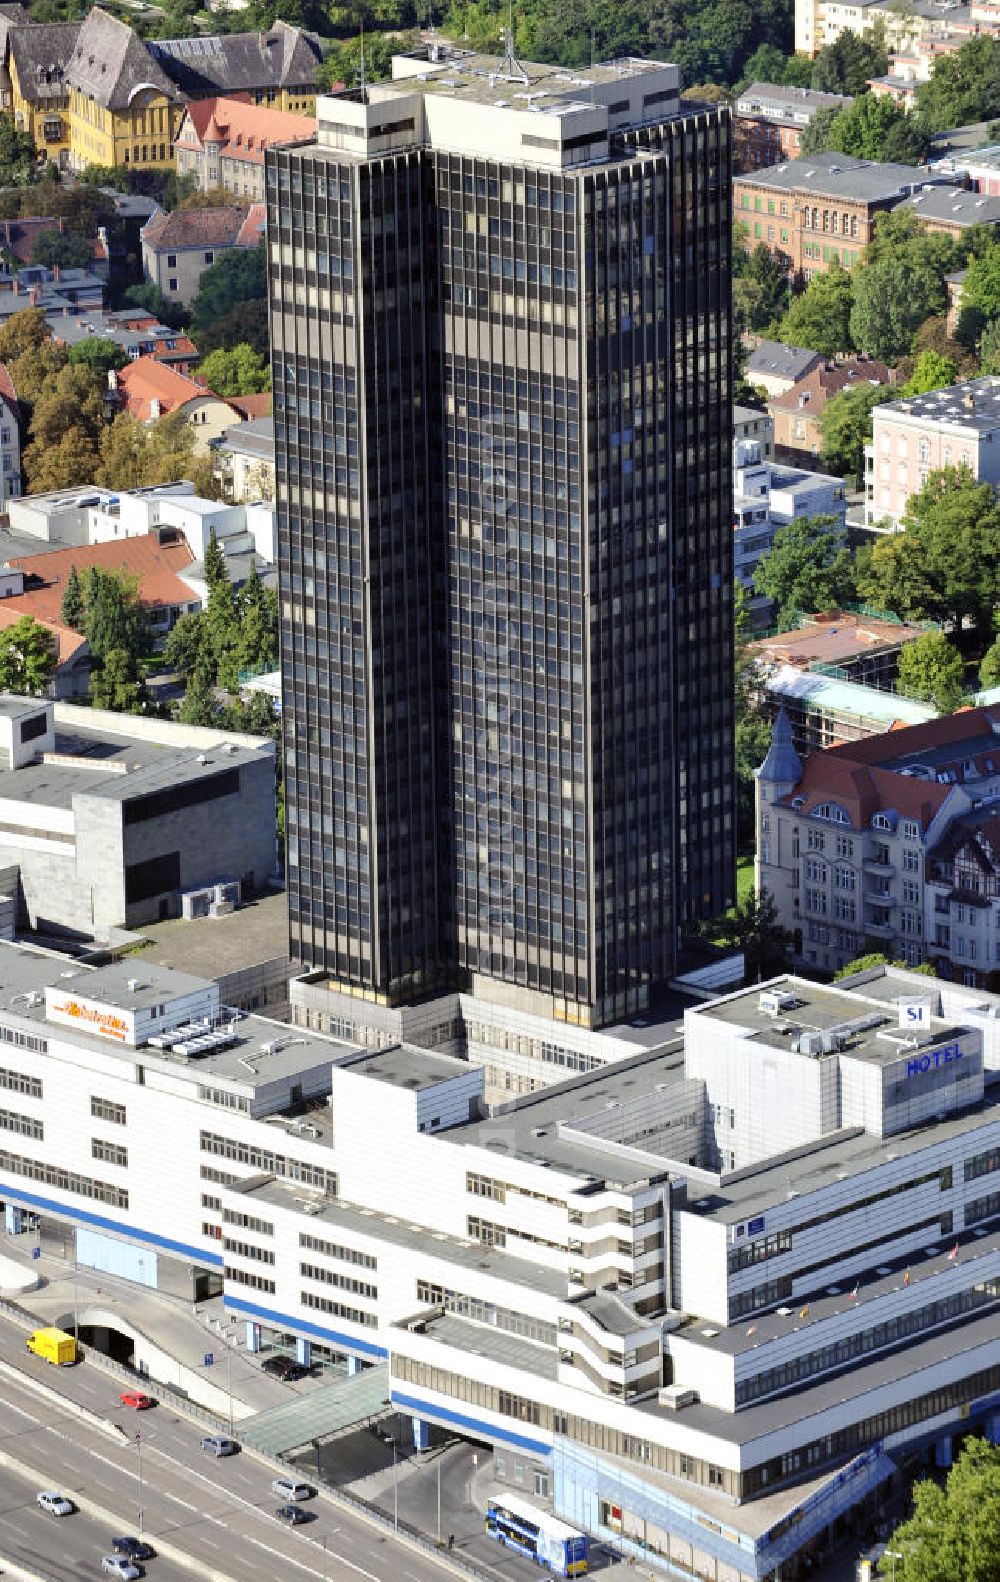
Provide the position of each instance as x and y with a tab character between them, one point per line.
929	1062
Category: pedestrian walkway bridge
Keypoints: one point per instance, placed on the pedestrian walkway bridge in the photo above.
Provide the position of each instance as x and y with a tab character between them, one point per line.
322	1413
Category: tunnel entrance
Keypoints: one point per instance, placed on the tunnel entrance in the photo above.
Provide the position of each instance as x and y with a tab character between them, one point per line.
112	1342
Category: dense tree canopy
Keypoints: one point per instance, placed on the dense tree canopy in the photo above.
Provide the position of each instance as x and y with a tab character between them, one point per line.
873	127
239	371
99	354
821	317
964	86
808	568
51	248
900	283
760	287
954	1531
240	275
846	428
29	654
945	564
932	670
755	928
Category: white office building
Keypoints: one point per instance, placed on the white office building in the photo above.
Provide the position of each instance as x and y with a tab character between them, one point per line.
704	1301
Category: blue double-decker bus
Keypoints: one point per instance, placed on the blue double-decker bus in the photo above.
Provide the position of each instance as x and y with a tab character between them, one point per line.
532	1532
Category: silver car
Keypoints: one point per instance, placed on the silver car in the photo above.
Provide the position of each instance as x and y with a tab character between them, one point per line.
219	1445
294	1493
120	1566
55	1504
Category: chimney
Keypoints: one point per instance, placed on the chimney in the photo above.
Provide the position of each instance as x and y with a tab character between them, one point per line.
969	399
56	273
154	409
112	380
16	286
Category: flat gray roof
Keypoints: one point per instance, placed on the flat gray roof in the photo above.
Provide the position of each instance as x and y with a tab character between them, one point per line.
486	79
973	404
400	1232
145	766
246	1063
408	1066
754	1422
836	175
494	1345
817	1008
216	946
530	1130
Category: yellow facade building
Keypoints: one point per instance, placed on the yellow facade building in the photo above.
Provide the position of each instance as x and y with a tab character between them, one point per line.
94	93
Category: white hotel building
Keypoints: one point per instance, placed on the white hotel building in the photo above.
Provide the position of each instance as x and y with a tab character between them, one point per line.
705	1301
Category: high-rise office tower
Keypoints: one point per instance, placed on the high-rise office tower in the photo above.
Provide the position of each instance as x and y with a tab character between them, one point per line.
501	341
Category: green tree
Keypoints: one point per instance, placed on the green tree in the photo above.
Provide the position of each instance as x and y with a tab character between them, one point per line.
239	276
185	649
173	314
246	324
257	606
760	288
241	371
964	86
980	294
945	564
989	348
18	158
23	332
216	569
754	928
73	610
69	403
931	371
901	283
123	452
875	958
118	684
808	568
846	65
954	1531
821	317
116	617
54	247
931	669
766	64
989	669
64	463
817	134
846	428
867	129
200	706
29	654
342	64
99	354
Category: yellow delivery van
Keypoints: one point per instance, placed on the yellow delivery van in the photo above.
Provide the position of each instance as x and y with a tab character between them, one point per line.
54	1345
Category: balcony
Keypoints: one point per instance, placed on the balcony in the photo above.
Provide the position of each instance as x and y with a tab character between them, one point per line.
878	865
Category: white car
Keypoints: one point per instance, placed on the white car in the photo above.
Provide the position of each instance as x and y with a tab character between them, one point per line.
55	1504
288	1489
120	1566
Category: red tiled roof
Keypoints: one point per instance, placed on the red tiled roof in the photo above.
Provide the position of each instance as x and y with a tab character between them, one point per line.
155	566
195	228
7	385
70	642
252	228
816	388
243	129
146	380
252	406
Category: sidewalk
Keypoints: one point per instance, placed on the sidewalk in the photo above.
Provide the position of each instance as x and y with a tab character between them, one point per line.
185	1333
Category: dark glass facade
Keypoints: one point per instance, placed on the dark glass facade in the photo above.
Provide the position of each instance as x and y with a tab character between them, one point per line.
502	417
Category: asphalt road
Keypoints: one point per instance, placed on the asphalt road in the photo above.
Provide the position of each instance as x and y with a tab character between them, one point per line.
219	1512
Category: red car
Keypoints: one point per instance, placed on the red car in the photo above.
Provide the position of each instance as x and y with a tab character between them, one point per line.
137	1399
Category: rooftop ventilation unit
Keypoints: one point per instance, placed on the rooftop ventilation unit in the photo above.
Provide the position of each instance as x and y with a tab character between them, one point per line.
675	1397
774	1001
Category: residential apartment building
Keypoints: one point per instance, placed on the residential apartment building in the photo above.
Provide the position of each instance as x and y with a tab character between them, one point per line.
774	366
149	390
769	119
749	423
855	647
821	22
221	143
705	1303
955	427
821	209
766	497
888	844
110	820
796	413
137	332
824	710
94	92
507	444
276	69
10	439
178	247
244	460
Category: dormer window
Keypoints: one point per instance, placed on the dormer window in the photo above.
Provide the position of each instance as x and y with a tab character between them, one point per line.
881	821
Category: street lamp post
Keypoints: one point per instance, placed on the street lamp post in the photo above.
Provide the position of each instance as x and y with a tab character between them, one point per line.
395	1489
894	1555
138	1443
229	1354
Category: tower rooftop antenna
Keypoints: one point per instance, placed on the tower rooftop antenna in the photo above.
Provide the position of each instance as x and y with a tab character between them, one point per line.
511	69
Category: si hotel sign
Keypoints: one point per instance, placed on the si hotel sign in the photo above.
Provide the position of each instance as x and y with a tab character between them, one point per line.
917	1065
